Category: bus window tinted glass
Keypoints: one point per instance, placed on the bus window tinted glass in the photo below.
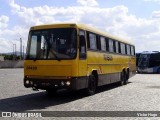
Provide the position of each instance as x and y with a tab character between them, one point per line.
117	47
92	40
103	44
123	48
128	50
111	46
132	50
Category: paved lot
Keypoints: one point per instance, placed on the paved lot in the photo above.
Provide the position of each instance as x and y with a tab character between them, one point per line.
141	94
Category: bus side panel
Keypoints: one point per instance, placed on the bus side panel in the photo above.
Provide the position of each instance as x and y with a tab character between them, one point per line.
109	66
108	78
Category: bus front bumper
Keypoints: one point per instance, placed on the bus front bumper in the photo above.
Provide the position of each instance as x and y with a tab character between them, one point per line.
75	83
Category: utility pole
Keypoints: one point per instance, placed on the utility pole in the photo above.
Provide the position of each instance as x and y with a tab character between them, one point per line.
23	52
20	48
13	49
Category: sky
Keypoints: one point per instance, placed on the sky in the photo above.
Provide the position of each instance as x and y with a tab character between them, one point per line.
137	21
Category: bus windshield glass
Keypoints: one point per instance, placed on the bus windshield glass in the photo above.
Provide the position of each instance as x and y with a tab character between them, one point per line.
143	60
56	44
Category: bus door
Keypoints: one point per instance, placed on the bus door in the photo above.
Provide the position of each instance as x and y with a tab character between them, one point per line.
82	54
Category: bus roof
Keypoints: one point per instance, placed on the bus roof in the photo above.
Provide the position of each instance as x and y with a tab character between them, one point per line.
149	52
81	26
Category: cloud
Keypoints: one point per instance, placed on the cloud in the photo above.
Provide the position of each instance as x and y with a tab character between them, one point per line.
88	2
153	0
4	46
156	14
3	21
15	6
11	36
116	20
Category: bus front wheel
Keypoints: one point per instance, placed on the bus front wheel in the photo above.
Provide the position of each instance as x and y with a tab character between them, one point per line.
92	85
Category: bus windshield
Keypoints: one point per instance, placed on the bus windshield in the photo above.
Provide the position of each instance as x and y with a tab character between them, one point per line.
57	44
143	60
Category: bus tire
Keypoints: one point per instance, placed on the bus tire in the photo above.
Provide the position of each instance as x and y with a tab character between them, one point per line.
92	85
126	78
122	78
51	92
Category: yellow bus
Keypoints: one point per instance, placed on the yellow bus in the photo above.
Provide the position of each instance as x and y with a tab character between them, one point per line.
75	56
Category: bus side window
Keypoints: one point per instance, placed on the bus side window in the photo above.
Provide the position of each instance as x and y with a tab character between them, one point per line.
93	41
111	49
123	48
128	50
132	51
82	45
103	43
117	47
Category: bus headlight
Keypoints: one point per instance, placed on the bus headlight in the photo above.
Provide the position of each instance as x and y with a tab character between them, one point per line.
27	82
68	83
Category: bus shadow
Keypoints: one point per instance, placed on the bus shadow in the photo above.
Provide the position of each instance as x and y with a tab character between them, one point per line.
109	87
41	100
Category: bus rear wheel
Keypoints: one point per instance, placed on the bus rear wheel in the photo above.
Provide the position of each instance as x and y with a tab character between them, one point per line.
123	78
92	85
126	78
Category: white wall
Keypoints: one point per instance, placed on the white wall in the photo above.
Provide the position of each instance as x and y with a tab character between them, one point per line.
11	64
